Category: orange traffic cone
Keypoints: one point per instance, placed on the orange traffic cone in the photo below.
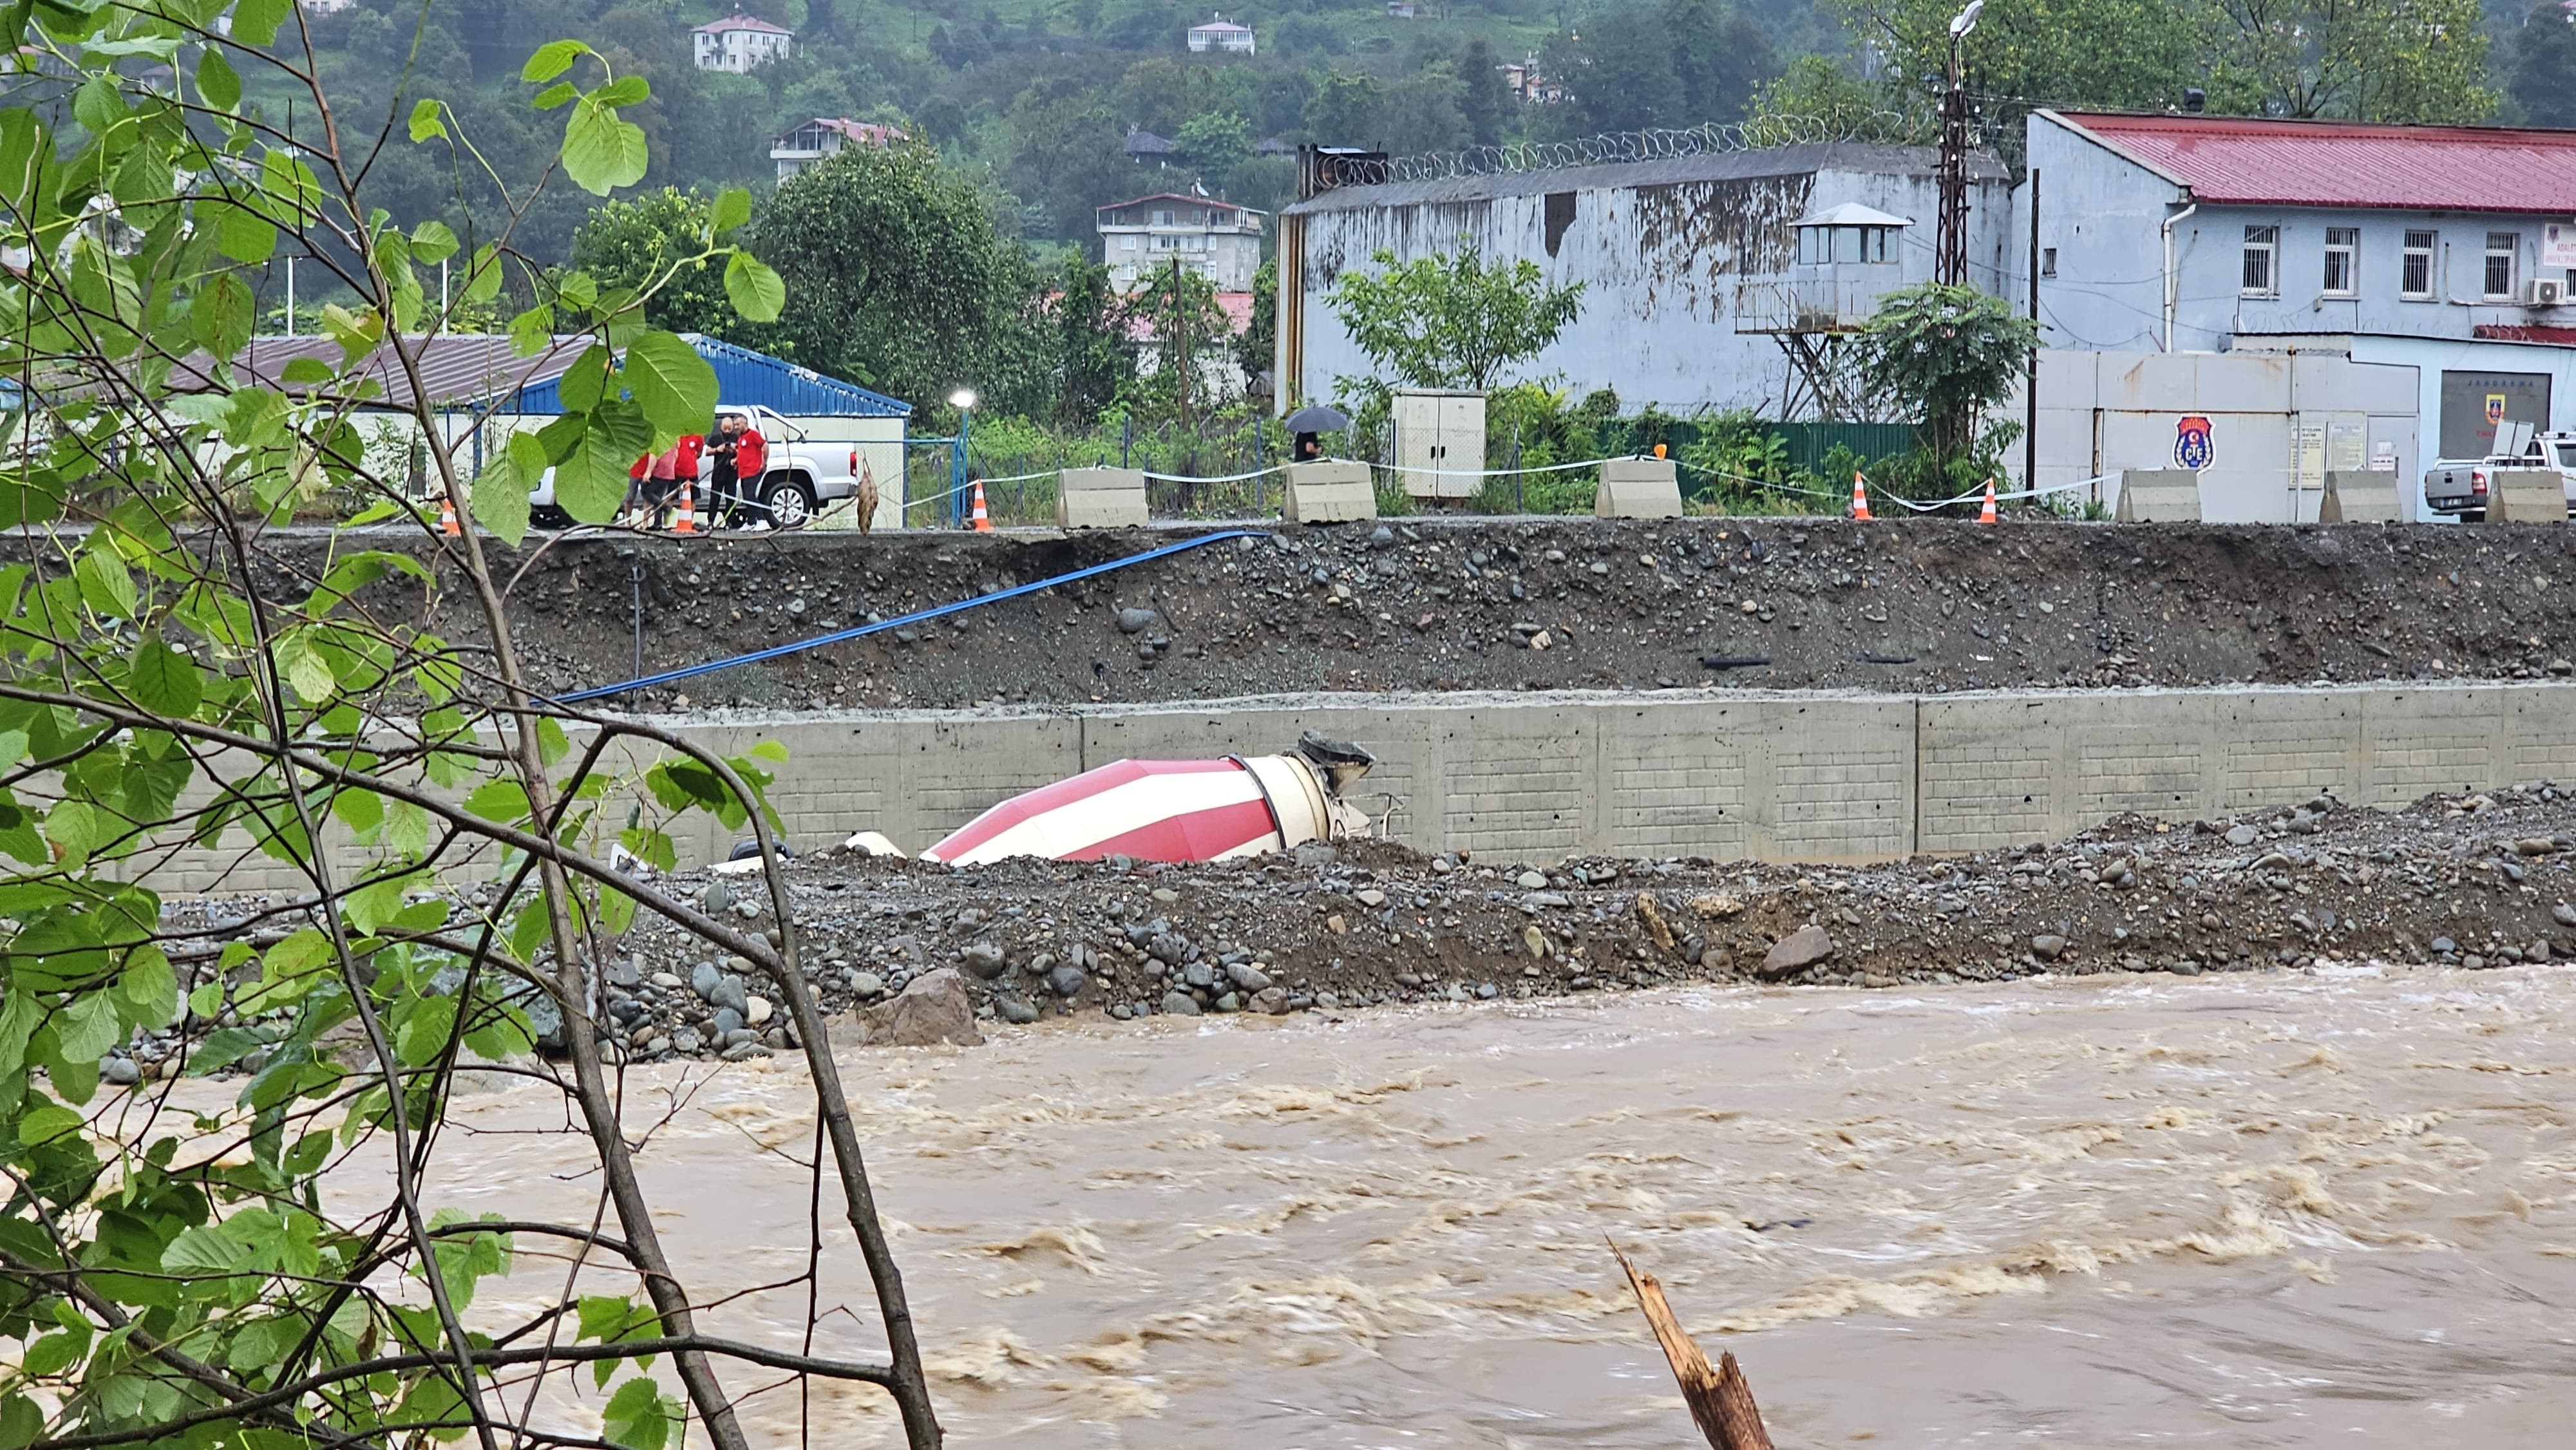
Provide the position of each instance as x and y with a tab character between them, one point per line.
686	522
983	522
1860	497
447	516
1986	515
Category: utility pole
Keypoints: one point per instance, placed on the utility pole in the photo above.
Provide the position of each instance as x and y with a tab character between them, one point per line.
1950	247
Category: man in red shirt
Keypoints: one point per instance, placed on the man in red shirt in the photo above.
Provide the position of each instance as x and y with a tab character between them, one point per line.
741	457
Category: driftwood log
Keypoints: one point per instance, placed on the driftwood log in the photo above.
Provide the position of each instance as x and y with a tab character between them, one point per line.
1718	1397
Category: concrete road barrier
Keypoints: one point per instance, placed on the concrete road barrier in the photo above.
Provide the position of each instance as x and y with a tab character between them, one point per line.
2526	496
2159	496
1330	493
2359	498
1638	488
1101	498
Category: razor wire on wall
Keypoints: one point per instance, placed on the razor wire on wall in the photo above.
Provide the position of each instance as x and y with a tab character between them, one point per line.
1618	147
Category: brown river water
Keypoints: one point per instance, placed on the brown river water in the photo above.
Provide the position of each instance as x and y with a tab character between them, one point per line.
2276	1209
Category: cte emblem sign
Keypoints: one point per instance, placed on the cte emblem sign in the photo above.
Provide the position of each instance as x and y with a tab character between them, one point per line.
2192	446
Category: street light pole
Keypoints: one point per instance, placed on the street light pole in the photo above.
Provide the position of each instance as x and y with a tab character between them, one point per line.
1950	247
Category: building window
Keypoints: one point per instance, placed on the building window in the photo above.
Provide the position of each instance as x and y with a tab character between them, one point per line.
2501	249
2262	248
2048	261
1127	244
2343	261
2415	279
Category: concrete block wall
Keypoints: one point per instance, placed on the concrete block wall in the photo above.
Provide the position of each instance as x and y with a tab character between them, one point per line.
1772	776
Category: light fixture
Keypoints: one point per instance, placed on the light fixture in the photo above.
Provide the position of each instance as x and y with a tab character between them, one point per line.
1966	20
962	399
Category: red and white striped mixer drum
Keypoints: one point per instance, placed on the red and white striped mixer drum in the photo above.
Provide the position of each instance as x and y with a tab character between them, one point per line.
1173	810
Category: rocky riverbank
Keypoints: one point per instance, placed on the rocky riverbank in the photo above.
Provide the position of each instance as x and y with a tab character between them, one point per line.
2474	881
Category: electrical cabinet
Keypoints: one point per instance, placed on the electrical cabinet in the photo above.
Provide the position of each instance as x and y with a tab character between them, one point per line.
1439	443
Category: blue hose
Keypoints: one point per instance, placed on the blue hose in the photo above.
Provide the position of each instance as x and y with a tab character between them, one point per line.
601	692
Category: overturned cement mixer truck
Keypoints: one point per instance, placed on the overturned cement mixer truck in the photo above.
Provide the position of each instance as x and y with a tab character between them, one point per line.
1173	810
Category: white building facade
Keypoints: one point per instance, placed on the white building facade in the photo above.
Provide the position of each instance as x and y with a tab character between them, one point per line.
1216	239
1705	277
739	43
2197	274
1221	36
824	137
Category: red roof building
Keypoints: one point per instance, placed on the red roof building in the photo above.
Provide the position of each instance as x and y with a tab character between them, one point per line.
2253	162
738	42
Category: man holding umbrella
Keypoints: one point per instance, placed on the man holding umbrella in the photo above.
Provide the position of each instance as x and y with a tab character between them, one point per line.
1306	423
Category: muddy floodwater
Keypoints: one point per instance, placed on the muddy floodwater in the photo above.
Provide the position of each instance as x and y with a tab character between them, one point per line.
2269	1209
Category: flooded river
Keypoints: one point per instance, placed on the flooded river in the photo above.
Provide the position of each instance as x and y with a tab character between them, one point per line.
2258	1210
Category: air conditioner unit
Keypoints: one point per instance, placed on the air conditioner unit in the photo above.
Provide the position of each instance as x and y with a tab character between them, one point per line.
2544	292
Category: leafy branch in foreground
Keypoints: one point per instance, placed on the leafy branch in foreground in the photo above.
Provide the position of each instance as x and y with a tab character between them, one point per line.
193	689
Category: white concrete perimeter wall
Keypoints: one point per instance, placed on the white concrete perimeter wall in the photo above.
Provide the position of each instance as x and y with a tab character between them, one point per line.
1786	776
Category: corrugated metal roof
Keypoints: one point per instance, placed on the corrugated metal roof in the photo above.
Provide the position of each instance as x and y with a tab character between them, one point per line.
456	369
1770	161
2539	332
2253	162
477	369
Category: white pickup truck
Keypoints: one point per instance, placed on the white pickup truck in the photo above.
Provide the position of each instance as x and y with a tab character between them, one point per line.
2458	486
801	477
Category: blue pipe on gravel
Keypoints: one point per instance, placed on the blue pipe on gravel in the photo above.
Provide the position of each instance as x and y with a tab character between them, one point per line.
601	692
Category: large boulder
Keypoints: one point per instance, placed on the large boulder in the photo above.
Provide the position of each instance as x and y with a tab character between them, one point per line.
1798	950
932	1008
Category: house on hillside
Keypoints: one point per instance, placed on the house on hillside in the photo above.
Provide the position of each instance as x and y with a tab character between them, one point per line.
1219	240
2267	301
1723	280
1215	378
1147	149
1222	36
825	136
738	42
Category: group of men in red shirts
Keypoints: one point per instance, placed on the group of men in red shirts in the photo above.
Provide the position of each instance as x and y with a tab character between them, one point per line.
740	457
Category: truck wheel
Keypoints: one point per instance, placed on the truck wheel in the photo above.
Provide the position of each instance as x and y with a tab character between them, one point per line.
789	504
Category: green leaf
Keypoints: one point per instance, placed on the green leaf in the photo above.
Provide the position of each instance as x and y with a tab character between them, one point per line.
732	209
148	989
255	22
206	1249
502	800
426	121
245	236
586	381
306	372
76	829
86	1027
166	681
483	279
638	1416
754	288
20	1422
499	499
105	584
217	83
626	90
532	331
601	150
219	318
551	60
555	95
674	386
771	751
432	243
590	483
24	149
53	1353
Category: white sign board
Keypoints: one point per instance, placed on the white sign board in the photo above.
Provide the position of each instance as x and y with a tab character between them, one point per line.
2558	244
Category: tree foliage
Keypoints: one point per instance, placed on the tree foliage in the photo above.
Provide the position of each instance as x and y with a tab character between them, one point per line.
1453	321
1943	356
662	237
897	277
184	689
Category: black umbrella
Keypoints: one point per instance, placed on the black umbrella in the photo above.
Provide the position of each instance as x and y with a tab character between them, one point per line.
1316	418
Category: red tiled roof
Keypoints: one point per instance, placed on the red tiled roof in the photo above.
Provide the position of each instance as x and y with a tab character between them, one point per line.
740	21
2526	332
2245	161
1237	307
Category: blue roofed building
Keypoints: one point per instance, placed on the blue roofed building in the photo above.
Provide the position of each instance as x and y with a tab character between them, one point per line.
484	390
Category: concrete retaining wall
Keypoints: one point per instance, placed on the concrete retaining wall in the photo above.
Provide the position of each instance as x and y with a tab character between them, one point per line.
1774	776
